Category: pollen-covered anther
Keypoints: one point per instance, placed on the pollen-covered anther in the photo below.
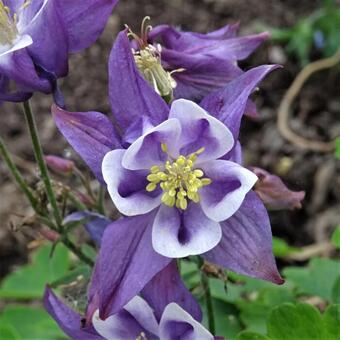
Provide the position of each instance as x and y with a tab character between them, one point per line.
148	61
178	179
8	28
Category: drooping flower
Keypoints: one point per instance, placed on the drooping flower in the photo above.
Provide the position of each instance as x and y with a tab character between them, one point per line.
187	64
136	320
274	192
36	38
238	235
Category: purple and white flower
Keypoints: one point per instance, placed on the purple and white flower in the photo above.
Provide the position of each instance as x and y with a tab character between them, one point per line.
237	236
36	37
191	65
136	320
172	314
177	174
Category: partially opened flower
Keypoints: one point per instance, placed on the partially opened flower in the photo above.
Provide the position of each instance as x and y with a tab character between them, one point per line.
274	193
36	37
136	320
187	64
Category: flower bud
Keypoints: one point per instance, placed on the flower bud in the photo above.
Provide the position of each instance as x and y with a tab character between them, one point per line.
274	193
49	235
59	164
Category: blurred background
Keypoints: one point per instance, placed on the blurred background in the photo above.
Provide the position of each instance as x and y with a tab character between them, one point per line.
302	31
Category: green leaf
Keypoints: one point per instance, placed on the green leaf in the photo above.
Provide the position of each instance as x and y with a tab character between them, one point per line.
226	320
29	281
331	322
253	315
295	322
281	247
336	291
83	270
227	292
8	332
30	323
336	238
317	279
247	335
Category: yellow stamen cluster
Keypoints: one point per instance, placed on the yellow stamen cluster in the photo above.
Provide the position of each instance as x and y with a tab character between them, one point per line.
179	180
8	23
148	61
8	28
149	65
141	336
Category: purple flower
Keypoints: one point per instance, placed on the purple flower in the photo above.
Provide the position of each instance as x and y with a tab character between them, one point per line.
136	320
238	235
173	313
187	64
36	37
175	171
274	193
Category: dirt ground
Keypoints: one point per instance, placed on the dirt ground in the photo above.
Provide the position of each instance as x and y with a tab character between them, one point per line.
316	115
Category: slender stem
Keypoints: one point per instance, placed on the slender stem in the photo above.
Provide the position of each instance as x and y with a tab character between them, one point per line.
38	152
17	175
77	251
80	206
207	297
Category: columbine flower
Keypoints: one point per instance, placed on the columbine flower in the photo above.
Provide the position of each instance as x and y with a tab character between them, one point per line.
36	37
176	172
136	321
242	241
166	303
187	64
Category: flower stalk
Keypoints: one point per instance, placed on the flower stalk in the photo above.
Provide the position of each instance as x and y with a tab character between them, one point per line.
38	152
32	127
17	175
207	295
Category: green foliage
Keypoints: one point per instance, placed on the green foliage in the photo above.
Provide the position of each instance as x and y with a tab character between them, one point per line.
29	281
24	322
261	310
299	321
281	247
317	279
321	31
336	237
337	148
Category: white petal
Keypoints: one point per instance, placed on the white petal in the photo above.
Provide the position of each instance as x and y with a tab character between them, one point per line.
19	44
173	314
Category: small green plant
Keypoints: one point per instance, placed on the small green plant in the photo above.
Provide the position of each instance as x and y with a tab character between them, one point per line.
320	31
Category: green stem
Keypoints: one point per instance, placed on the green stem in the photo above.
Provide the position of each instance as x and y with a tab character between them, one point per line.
38	152
207	296
77	251
17	175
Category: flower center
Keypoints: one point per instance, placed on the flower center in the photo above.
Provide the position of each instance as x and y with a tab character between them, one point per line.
178	179
8	27
142	336
8	23
148	61
149	65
